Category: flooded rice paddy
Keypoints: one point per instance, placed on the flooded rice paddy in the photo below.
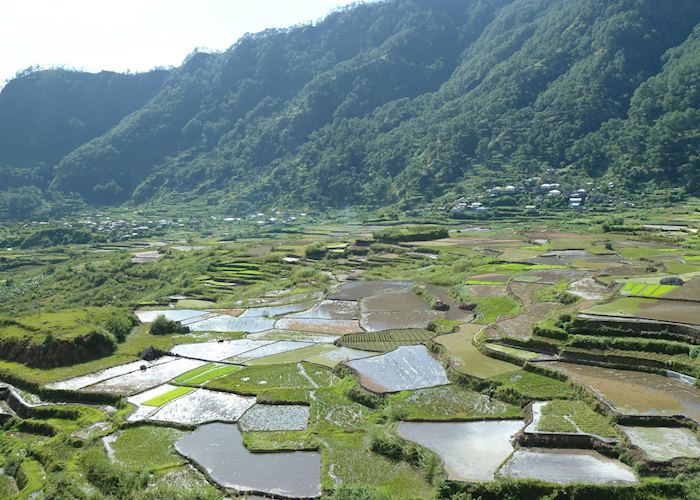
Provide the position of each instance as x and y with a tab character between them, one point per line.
637	393
471	451
142	411
139	381
171	314
273	311
218	449
275	418
315	325
93	378
406	368
202	406
330	310
274	335
377	321
225	323
356	290
266	349
218	351
333	358
566	466
664	443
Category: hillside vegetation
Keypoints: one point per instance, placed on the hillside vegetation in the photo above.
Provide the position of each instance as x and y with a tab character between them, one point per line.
394	102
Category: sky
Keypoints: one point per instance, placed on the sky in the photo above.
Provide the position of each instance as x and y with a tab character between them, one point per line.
135	35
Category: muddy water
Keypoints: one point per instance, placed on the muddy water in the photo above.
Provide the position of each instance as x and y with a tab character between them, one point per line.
395	310
331	310
356	290
218	448
471	451
664	443
323	326
395	320
637	393
404	300
272	311
566	466
589	289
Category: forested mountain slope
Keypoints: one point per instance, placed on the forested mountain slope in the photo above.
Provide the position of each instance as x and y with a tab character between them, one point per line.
406	100
47	114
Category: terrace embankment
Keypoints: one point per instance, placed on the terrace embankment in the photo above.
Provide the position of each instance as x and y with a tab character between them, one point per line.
62	352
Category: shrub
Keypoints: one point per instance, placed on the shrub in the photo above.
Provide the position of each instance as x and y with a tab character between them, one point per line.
363	492
316	251
364	397
165	326
411	233
630	344
112	479
119	326
547	330
397	449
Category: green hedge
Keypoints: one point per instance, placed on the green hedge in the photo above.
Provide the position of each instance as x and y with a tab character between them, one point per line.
532	490
411	233
629	344
550	331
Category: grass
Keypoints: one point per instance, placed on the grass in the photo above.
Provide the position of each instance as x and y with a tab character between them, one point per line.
126	352
534	386
294	356
169	396
641	252
148	447
85	416
448	403
575	416
675	267
195	373
635	289
181	482
256	379
625	306
490	309
385	341
513	351
280	441
8	487
467	359
349	458
33	474
64	324
206	373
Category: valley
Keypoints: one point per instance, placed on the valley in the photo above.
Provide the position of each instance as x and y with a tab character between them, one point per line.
315	356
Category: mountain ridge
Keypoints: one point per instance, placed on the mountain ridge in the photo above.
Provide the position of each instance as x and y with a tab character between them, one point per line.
407	101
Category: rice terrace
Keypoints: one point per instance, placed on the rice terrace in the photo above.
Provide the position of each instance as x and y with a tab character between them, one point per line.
381	249
482	358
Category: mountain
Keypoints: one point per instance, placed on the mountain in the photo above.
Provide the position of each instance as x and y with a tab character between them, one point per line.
390	102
